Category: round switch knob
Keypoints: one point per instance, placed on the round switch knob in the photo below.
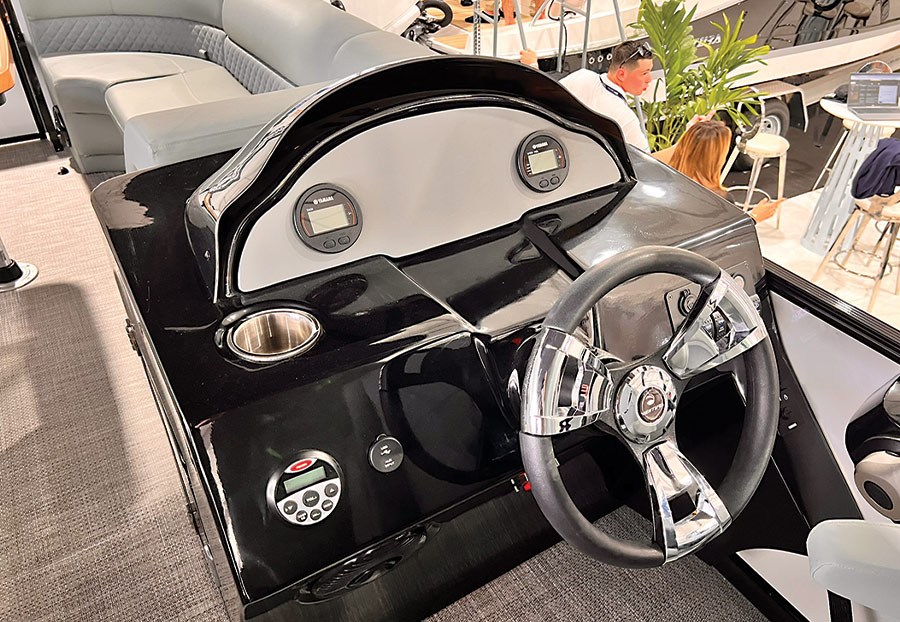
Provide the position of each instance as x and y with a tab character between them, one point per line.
686	302
386	454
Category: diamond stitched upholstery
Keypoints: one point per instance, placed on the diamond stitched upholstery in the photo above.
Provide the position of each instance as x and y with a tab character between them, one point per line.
139	33
252	73
122	33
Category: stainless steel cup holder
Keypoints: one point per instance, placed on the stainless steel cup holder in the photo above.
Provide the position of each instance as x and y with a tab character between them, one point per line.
273	335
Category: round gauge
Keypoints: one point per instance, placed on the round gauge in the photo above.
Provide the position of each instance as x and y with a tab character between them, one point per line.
307	490
542	162
327	218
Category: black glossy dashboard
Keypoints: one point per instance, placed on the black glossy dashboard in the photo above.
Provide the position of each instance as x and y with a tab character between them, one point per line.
417	347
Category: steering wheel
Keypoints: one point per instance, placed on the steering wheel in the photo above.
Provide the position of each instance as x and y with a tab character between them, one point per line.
569	384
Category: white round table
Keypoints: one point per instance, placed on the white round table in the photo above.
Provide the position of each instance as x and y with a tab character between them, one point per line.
835	203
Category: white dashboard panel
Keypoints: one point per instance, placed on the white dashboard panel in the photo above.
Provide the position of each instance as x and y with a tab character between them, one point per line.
421	182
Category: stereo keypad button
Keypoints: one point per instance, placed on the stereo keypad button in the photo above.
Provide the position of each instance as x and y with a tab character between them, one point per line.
310	498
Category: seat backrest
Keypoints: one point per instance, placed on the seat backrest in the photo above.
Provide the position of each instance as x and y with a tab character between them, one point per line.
309	41
169	26
204	11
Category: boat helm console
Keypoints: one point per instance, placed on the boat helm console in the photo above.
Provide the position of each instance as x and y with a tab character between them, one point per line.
362	325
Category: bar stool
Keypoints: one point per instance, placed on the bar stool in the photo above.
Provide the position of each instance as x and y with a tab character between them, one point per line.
13	274
877	209
760	147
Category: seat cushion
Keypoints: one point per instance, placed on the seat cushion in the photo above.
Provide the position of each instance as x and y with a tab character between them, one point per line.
858	10
858	560
767	146
181	134
209	84
79	81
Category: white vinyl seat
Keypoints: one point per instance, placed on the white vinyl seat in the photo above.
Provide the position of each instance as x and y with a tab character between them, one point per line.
143	84
209	84
858	560
78	83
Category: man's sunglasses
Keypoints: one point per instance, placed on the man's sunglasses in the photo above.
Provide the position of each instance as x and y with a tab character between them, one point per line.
641	51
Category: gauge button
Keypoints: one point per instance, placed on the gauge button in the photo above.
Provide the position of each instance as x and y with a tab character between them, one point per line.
344	240
290	507
544	183
554	180
328	244
331	490
310	498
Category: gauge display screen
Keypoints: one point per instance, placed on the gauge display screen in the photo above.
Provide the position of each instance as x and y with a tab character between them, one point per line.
304	479
325	219
542	161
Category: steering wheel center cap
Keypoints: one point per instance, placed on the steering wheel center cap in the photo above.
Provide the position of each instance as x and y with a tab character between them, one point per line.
645	403
651	405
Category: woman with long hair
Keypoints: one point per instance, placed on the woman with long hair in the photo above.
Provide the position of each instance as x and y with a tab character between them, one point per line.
700	154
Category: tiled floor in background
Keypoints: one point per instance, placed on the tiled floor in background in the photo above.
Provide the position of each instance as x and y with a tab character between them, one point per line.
783	247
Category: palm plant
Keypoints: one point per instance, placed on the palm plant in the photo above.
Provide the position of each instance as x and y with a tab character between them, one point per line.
693	87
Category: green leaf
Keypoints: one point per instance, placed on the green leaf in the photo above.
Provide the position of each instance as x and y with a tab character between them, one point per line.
694	87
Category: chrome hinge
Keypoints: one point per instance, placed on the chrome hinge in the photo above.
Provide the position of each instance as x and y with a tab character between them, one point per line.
195	516
132	336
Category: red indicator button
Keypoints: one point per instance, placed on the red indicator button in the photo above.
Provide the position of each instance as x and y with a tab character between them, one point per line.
301	465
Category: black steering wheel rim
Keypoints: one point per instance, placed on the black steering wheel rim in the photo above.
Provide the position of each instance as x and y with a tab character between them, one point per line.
757	436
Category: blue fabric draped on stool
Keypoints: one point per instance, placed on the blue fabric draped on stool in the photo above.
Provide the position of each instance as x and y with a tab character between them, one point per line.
835	204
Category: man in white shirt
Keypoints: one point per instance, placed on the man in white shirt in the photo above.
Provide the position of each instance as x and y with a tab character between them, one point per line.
629	72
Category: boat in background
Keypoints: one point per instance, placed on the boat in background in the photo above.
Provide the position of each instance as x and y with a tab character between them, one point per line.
412	20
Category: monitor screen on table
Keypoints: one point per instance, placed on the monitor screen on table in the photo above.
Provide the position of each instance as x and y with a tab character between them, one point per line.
874	90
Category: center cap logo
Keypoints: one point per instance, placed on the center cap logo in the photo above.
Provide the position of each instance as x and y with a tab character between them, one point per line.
651	405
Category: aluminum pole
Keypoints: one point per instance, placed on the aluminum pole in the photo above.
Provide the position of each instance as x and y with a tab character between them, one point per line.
619	20
476	27
587	30
496	24
562	26
519	22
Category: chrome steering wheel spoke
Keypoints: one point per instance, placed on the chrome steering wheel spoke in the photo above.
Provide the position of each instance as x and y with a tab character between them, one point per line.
687	510
722	325
568	386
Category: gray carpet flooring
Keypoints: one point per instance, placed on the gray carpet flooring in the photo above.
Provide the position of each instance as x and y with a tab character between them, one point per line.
92	519
563	585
